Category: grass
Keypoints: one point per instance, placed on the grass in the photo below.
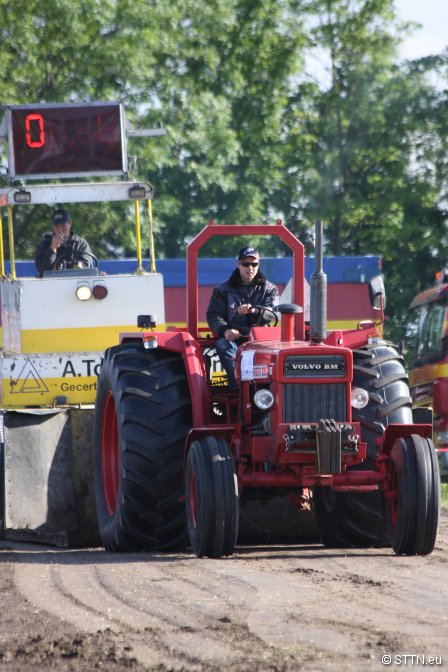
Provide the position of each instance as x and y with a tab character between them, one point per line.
444	494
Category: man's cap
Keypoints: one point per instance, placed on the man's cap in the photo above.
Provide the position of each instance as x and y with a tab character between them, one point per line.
248	252
60	217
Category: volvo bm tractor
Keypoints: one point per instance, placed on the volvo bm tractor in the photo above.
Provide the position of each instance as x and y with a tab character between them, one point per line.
320	416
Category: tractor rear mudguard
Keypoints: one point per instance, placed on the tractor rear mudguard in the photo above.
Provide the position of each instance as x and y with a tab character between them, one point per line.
353	338
183	343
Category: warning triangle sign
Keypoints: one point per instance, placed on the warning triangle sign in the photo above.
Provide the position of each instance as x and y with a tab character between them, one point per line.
28	380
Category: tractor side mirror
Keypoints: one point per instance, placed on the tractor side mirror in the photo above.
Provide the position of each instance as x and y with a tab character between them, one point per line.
377	293
146	321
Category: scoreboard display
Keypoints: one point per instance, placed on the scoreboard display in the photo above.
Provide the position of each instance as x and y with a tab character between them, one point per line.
66	140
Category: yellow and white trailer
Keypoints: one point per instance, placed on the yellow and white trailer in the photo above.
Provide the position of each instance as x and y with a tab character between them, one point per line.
51	341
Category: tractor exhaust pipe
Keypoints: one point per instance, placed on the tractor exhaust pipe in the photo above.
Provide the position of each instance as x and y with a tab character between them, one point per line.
318	292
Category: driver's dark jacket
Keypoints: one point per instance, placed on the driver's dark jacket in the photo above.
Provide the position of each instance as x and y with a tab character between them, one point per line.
73	253
229	295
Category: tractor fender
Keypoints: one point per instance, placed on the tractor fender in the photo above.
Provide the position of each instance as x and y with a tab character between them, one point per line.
399	431
185	345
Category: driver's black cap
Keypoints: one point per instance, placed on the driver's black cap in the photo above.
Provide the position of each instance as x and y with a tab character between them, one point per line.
60	216
248	252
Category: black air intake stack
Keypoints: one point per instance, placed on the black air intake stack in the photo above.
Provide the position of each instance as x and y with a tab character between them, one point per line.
318	292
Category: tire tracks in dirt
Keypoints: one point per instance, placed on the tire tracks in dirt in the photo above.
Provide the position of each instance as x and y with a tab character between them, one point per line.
266	607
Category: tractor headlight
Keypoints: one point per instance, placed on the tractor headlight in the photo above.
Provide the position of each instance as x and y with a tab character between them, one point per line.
263	399
360	398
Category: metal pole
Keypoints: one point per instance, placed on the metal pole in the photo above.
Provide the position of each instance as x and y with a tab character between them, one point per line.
138	236
11	243
151	237
2	251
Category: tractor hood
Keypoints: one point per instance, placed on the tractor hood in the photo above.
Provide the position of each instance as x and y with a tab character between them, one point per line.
277	360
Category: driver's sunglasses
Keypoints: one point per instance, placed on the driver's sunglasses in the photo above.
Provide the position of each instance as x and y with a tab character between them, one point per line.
246	264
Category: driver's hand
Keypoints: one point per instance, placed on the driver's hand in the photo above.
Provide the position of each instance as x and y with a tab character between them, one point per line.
231	334
244	309
57	240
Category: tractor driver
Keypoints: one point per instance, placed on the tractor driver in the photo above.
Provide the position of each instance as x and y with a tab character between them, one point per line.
230	315
62	249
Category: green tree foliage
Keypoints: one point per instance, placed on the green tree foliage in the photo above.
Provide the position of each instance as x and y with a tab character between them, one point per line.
251	135
372	147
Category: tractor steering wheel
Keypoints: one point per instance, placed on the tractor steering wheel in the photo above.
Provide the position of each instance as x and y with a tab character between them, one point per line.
262	311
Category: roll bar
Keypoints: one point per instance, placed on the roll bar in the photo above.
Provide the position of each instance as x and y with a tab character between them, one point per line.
247	230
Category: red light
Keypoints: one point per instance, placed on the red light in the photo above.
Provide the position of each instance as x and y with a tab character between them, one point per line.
39	118
100	292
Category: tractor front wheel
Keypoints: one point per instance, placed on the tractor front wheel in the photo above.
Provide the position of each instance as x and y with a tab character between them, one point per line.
412	501
211	498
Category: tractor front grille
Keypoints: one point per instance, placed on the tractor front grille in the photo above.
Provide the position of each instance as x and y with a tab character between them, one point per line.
312	402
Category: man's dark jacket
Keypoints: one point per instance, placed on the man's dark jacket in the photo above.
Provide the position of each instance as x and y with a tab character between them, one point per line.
229	295
73	253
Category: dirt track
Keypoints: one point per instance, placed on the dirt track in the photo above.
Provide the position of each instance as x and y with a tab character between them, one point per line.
276	608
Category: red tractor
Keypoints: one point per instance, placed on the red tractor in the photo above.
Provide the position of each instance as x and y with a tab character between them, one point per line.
329	414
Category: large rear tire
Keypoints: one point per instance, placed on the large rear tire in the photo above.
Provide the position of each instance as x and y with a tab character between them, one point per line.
142	417
412	507
355	519
211	498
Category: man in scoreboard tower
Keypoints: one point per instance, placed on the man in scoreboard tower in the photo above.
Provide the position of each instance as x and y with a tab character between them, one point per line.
62	249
